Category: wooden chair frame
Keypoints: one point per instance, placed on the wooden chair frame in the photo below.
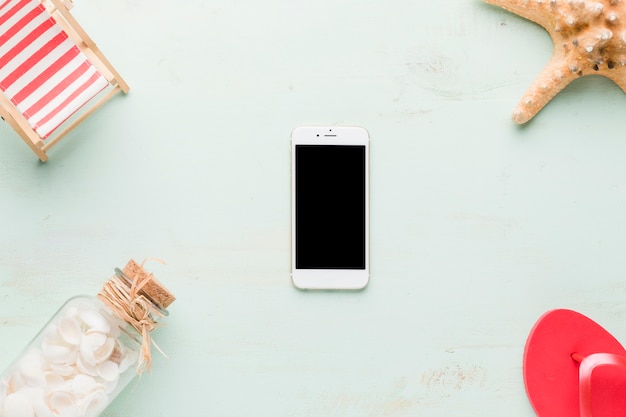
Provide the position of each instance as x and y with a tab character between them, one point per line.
60	11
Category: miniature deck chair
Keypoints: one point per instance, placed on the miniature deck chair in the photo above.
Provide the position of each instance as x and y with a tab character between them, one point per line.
52	75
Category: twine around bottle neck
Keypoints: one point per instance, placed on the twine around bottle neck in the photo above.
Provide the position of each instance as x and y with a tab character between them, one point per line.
124	296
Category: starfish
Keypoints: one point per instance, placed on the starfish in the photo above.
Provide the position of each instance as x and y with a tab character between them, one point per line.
589	37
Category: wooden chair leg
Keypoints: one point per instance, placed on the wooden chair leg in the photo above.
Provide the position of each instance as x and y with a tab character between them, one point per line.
28	135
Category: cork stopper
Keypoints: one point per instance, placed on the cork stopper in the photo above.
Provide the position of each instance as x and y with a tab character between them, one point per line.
153	289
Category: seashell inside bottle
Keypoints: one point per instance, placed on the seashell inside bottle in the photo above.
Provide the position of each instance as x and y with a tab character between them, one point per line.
89	351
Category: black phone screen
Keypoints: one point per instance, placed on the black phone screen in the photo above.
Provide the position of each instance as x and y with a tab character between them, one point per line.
330	199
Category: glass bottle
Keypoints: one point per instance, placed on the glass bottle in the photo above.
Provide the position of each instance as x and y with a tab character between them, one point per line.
89	351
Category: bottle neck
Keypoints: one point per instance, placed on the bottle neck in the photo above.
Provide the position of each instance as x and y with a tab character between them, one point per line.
133	285
127	298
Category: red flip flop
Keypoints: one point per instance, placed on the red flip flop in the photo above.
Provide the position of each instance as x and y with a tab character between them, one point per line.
574	368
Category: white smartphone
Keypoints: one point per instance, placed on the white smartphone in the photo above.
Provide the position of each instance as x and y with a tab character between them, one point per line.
330	207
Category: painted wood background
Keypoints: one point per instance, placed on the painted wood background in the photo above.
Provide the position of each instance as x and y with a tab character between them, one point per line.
478	226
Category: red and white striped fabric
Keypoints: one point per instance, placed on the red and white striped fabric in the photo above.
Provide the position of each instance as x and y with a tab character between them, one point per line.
42	71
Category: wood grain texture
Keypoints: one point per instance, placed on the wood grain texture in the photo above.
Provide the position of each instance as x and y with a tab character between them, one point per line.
478	226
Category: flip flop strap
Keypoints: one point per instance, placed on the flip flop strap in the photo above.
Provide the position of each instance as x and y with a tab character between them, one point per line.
587	366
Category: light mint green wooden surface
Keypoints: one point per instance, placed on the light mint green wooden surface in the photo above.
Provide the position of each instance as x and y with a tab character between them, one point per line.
478	226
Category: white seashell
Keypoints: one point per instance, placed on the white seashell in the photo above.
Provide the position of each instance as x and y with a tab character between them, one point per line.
51	332
94	404
86	364
53	339
42	410
59	354
110	386
104	352
93	341
53	379
69	330
16	405
71	411
60	400
37	398
129	357
78	366
15	382
71	312
20	403
62	370
33	376
115	332
109	371
83	385
94	321
30	368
